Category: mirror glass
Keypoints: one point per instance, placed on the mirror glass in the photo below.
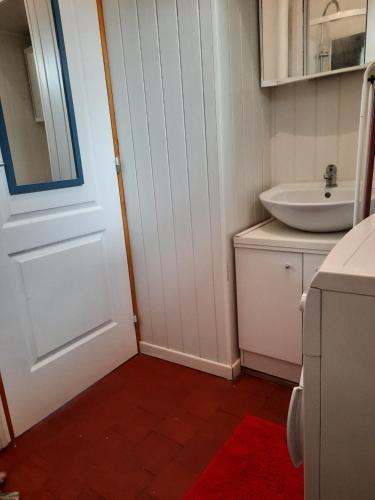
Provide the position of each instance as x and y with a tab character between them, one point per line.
301	38
336	34
38	136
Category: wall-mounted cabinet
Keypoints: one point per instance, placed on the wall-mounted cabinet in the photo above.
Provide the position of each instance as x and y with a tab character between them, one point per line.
302	39
274	265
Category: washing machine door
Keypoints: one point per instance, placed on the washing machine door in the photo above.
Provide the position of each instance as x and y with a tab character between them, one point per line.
295	425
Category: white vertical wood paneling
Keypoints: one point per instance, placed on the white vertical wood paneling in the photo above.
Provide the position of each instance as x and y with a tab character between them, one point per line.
175	126
238	201
192	84
327	123
349	105
305	126
120	87
194	131
244	113
315	123
138	122
159	161
226	139
207	28
244	129
284	130
165	103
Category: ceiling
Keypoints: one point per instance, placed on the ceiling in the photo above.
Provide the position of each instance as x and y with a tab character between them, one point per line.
13	17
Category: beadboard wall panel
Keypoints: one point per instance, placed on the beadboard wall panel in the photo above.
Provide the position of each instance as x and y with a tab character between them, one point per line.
163	77
193	126
315	123
245	115
244	119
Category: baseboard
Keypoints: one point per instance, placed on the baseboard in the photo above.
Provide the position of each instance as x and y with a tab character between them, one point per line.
271	366
236	368
205	365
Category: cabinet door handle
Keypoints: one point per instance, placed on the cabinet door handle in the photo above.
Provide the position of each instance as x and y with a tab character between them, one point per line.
287	266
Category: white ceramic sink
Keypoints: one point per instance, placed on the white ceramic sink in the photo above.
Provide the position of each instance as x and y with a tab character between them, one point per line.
309	206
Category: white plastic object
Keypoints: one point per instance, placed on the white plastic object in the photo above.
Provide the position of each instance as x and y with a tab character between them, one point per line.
294	429
363	133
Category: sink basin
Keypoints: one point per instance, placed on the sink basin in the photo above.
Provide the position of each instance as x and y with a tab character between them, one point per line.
309	206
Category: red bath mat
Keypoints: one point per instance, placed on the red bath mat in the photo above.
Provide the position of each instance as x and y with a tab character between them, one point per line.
253	464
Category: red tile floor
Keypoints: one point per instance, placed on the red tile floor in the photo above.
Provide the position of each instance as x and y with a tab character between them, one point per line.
147	430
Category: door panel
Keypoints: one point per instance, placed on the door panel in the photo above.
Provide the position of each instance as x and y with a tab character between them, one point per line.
4	432
269	285
44	278
65	308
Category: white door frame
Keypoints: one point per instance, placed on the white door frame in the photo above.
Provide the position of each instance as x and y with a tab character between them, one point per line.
4	431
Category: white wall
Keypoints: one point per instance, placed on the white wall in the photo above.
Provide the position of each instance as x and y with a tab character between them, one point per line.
186	196
27	138
244	117
244	113
315	123
165	119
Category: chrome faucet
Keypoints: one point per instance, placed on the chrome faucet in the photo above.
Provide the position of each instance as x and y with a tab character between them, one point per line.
330	176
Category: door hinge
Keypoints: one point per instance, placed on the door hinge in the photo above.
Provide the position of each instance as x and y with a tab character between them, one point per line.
135	319
118	164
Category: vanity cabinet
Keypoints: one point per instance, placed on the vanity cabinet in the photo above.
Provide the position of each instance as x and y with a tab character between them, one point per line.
274	265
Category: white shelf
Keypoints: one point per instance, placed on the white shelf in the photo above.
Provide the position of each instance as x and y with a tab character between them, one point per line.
295	79
338	16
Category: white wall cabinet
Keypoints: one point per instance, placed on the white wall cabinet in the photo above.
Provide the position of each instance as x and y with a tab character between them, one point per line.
274	265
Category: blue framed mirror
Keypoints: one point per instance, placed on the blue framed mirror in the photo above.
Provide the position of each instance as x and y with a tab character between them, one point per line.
38	133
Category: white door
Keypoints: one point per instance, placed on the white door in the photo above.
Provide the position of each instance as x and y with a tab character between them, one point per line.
4	431
65	306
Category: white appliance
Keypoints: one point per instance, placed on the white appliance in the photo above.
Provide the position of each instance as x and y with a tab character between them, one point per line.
331	424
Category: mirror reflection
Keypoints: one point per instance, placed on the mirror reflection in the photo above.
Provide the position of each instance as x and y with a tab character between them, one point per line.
37	125
310	37
336	34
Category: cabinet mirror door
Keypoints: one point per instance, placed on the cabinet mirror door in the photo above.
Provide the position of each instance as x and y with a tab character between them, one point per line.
308	38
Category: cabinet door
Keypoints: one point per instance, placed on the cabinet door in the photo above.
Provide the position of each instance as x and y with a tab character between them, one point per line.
269	288
311	264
